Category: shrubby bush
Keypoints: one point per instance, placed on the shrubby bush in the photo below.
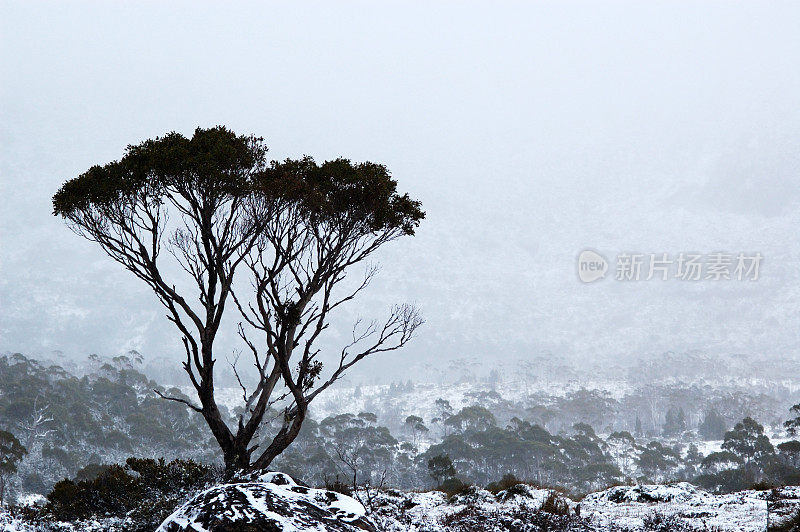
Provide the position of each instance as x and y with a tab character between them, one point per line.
508	481
143	491
452	486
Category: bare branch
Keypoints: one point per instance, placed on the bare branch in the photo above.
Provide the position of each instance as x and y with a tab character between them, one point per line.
179	400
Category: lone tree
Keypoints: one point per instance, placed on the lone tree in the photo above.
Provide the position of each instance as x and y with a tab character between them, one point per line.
217	207
747	440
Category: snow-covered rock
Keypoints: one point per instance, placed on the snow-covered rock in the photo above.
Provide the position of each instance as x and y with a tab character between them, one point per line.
647	493
273	503
524	494
472	495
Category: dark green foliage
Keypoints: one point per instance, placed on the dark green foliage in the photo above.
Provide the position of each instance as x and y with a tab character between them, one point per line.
530	451
508	481
472	418
693	455
339	192
112	411
144	490
338	486
657	522
413	420
727	481
749	461
790	525
452	486
623	436
748	441
90	472
368	417
792	425
113	492
555	504
593	407
440	467
358	446
656	458
11	452
721	458
791	451
474	518
213	161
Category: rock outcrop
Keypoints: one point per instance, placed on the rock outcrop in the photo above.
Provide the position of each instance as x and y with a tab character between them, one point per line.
269	503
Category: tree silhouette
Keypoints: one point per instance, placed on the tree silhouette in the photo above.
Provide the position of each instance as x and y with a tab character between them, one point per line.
748	441
212	206
440	468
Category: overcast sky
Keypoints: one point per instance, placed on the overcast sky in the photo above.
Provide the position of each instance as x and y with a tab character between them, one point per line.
529	131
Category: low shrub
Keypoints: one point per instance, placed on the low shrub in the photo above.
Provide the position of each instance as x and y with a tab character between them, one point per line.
508	481
338	486
144	491
555	504
520	519
453	486
786	525
658	522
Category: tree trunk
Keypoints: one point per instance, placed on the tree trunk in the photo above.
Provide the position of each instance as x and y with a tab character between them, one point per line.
282	440
236	460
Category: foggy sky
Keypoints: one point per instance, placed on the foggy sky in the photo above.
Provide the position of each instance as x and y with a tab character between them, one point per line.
529	132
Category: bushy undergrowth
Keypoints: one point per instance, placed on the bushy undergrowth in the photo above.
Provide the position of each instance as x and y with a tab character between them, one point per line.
788	525
143	493
658	522
520	519
453	486
508	481
337	485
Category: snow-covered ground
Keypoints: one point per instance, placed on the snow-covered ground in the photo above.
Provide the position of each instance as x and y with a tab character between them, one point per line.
9	524
631	506
619	508
276	500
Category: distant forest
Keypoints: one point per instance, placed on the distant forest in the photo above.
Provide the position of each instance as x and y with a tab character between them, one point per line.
75	426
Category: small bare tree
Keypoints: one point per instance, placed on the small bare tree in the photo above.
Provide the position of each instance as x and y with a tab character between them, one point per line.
35	426
213	204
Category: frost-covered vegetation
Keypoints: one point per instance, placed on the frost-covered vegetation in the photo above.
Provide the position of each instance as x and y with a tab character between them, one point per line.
274	501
